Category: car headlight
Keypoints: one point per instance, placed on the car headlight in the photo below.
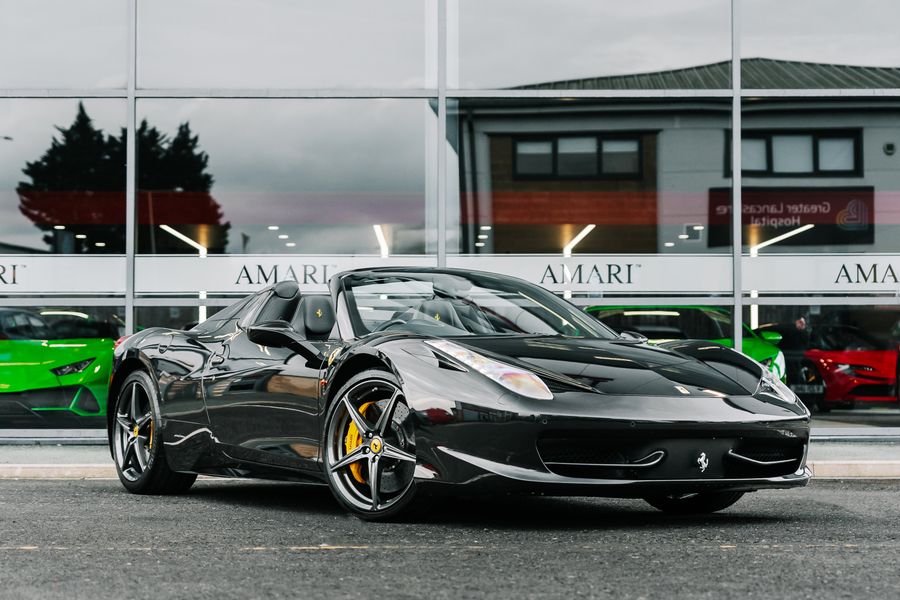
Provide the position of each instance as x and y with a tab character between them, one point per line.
512	378
772	385
854	370
776	364
75	367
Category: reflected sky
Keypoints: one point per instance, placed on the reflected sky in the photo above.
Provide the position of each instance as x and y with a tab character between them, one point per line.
863	32
287	43
505	43
63	44
320	165
31	125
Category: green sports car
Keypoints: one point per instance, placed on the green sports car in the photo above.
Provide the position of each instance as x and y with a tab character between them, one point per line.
661	323
54	368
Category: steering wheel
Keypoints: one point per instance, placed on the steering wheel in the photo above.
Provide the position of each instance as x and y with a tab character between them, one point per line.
388	324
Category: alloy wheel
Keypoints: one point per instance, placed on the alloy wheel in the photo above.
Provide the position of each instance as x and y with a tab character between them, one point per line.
133	440
370	446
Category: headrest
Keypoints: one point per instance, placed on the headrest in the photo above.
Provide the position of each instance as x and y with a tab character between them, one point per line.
318	316
286	289
439	310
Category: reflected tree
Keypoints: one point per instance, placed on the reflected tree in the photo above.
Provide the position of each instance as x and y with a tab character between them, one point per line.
75	191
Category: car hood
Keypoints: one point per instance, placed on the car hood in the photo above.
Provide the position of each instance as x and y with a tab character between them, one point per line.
613	366
26	364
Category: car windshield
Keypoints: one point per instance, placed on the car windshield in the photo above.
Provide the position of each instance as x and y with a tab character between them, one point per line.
449	303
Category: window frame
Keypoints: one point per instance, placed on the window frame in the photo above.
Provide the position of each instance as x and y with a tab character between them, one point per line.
600	137
767	134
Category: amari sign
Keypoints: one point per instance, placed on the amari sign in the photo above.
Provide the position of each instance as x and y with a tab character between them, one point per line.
812	274
53	274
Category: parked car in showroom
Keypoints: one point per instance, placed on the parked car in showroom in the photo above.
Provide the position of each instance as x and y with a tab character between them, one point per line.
406	382
54	368
664	323
840	366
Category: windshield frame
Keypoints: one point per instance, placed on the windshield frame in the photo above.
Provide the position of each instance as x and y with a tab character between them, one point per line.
588	326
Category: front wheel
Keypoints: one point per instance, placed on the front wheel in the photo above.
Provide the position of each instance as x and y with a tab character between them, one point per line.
137	445
687	504
370	447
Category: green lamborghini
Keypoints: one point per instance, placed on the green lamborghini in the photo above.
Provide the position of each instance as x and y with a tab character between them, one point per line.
54	368
661	323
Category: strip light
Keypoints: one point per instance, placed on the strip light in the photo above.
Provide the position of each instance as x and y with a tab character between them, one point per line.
382	241
754	250
193	243
567	249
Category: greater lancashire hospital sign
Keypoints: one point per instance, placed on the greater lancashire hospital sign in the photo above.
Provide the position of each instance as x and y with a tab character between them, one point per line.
638	274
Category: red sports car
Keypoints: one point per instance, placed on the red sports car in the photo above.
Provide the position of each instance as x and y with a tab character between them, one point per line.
855	367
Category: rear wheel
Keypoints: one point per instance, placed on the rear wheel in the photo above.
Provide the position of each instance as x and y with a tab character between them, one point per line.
137	446
701	503
369	447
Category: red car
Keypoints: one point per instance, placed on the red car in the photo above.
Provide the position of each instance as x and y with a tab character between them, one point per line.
854	366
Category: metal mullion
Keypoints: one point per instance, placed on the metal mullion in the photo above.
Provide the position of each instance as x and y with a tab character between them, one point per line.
130	169
736	178
442	135
816	93
286	93
181	301
69	301
835	300
57	93
562	93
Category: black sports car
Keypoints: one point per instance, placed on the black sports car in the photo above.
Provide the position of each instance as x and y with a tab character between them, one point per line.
404	382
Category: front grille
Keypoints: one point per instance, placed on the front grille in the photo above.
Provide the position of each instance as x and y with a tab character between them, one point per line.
872	389
653	457
750	458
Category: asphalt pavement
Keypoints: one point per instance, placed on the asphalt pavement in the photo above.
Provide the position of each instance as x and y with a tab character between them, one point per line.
78	539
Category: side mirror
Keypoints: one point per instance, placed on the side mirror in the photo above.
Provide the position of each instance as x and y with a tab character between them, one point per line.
280	334
632	336
771	336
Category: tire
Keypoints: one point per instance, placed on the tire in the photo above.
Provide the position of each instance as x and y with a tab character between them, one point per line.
138	454
369	429
694	504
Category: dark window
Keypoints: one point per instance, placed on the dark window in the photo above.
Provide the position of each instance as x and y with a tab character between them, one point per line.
534	158
578	157
789	153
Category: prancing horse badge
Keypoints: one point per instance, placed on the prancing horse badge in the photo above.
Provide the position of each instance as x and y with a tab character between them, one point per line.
703	462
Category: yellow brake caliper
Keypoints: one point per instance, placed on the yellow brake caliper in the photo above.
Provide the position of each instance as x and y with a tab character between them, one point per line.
352	441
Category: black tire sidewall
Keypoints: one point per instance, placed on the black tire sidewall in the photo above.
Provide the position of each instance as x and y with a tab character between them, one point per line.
398	508
142	483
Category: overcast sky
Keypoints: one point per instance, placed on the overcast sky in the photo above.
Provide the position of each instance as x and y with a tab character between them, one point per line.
393	43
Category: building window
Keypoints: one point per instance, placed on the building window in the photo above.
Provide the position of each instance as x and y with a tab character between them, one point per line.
534	158
578	157
822	153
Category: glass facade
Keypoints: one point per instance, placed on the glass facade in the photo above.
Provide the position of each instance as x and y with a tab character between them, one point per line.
159	159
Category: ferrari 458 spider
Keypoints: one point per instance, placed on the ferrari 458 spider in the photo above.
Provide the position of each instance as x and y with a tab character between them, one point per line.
408	382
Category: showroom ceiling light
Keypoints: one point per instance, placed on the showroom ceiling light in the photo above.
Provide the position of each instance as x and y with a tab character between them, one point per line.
485	227
59	227
100	244
754	250
291	244
273	227
669	244
382	241
567	249
80	236
201	249
483	236
283	236
64	313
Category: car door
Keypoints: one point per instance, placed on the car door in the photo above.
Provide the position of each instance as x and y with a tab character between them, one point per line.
263	401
